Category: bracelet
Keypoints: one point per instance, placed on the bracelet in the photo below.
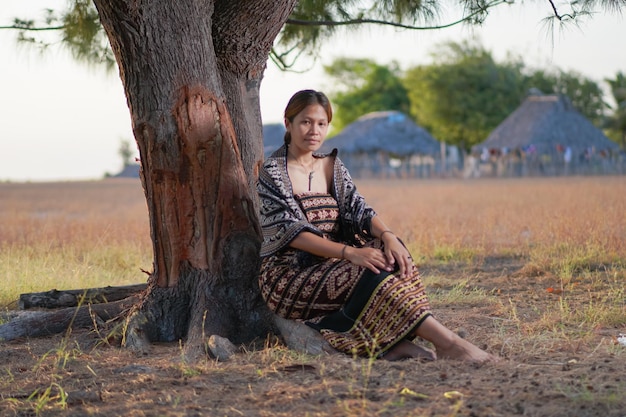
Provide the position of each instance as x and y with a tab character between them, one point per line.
343	251
383	233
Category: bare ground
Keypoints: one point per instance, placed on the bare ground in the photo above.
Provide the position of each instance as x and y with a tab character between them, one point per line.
547	369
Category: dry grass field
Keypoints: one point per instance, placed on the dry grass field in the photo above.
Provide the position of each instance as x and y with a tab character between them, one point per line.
533	270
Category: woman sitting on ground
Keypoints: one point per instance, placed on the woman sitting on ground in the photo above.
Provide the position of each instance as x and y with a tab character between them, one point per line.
329	260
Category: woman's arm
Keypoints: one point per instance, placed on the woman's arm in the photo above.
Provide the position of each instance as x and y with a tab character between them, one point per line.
380	230
317	245
371	258
394	250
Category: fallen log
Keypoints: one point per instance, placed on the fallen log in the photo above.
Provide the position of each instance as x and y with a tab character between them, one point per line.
72	298
46	323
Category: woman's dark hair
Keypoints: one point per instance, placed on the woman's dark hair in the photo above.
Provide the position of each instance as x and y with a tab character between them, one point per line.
300	101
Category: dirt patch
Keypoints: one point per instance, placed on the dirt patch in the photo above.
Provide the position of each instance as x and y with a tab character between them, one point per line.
549	368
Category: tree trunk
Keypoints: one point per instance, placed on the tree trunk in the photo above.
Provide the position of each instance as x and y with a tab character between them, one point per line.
191	71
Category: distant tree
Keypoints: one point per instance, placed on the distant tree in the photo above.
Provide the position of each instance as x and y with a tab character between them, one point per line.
464	94
126	152
617	119
363	86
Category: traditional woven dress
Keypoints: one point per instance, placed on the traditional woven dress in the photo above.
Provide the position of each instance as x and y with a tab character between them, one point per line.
357	311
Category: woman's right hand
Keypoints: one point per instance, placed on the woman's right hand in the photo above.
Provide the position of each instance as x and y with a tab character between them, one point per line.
371	258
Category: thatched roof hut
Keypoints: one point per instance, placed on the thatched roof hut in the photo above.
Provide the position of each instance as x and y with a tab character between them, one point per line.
389	131
386	144
273	137
547	136
547	123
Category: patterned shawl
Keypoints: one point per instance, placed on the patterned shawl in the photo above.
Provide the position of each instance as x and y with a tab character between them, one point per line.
282	218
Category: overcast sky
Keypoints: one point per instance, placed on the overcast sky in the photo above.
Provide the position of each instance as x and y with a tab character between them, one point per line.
62	121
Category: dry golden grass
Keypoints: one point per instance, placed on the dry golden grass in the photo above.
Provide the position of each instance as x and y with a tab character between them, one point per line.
72	235
544	218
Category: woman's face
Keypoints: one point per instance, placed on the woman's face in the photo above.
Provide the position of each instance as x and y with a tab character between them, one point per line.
308	129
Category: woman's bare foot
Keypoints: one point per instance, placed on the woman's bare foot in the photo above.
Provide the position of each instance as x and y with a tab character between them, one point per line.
407	350
450	345
463	350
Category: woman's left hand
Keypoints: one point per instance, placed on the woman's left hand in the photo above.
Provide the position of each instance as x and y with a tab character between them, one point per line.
396	252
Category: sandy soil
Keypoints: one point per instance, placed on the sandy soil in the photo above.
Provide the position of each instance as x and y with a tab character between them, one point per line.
543	373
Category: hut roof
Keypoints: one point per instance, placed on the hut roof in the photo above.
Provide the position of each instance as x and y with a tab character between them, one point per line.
390	131
129	171
546	121
273	137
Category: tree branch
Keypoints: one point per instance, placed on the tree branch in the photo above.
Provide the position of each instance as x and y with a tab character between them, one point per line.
394	24
20	27
556	12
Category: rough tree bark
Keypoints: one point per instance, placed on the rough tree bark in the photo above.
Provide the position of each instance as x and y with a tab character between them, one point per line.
191	71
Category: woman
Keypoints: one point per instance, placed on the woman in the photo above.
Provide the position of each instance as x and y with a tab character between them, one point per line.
329	260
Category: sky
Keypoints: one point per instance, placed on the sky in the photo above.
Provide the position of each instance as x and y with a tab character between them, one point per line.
63	121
